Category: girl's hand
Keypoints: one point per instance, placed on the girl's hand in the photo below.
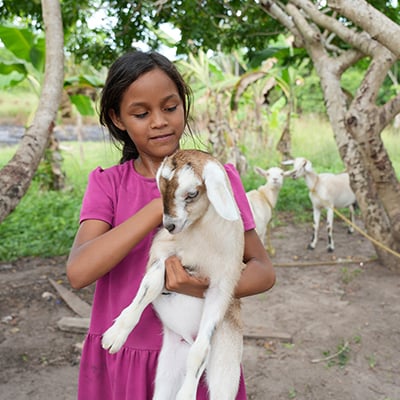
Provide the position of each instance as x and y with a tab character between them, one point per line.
177	279
97	248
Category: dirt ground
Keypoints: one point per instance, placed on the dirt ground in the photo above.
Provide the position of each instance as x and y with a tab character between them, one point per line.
325	331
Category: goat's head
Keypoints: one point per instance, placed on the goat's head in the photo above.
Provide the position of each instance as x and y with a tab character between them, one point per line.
274	175
300	167
189	180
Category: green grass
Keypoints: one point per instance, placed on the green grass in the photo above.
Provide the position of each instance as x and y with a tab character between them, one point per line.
17	105
313	139
45	222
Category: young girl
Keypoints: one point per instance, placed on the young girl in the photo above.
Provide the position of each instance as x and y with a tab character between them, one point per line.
145	105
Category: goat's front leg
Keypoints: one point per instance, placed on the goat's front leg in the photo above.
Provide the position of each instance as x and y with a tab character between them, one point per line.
150	287
316	218
350	229
329	227
270	248
215	306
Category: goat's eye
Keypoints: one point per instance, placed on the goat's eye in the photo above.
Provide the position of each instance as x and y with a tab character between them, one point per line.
191	195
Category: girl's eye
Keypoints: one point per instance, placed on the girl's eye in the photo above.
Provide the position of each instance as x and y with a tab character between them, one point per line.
190	196
140	116
171	109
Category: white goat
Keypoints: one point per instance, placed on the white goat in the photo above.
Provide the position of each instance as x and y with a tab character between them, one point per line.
202	226
263	200
327	191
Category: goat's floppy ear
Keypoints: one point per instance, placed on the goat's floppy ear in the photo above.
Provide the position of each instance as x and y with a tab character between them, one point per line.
218	191
307	165
289	173
287	162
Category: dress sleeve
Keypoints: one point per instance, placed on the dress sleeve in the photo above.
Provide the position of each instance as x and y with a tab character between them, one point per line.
240	197
98	201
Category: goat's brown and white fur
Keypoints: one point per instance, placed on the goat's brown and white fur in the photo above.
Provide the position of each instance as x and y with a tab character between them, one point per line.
203	227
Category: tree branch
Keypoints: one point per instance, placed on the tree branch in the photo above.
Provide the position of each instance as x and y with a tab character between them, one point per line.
390	109
362	41
383	29
348	59
311	35
277	13
373	78
359	40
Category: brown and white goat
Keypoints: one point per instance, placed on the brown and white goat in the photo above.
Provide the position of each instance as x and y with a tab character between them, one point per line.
203	227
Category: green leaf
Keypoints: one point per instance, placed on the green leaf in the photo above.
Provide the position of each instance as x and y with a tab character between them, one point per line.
11	79
83	80
38	54
8	68
18	40
24	45
83	104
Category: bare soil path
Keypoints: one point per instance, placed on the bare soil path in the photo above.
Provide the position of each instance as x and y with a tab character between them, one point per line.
343	320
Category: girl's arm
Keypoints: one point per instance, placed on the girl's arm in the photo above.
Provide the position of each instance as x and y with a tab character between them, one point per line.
257	277
97	248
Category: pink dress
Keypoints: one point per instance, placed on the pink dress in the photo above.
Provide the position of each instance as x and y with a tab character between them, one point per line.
113	195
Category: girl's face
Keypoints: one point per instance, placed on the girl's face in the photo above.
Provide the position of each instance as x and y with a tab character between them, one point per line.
152	113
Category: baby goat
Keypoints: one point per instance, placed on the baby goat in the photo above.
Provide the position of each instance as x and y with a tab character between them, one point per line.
263	201
203	227
326	191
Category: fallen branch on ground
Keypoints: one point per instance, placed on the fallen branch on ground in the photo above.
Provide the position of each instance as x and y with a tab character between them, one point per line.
342	350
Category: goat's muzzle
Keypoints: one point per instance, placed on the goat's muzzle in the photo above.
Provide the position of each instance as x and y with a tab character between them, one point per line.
173	225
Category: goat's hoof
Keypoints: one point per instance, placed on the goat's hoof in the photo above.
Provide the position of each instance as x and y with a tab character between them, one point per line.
113	339
350	231
330	250
310	247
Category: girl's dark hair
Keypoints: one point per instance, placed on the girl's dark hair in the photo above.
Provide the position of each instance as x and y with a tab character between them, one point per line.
121	74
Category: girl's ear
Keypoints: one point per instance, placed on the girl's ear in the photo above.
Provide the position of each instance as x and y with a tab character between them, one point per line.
219	191
116	121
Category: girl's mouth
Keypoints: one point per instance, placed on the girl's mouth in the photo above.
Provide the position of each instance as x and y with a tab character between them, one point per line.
163	137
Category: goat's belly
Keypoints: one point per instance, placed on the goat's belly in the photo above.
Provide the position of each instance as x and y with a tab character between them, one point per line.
180	313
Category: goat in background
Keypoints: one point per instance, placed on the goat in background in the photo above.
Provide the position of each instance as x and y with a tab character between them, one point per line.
203	227
326	190
263	200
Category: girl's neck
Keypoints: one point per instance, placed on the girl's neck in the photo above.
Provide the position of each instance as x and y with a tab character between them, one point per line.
146	167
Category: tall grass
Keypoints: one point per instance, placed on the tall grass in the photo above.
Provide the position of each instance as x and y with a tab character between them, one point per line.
312	138
17	105
45	222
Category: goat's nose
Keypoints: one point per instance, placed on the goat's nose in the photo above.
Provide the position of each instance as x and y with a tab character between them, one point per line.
170	227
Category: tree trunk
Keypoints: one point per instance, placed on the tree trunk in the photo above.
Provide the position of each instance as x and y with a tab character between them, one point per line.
16	176
357	125
53	160
284	145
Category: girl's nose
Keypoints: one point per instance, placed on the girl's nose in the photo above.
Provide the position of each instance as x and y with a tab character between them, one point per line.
158	120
